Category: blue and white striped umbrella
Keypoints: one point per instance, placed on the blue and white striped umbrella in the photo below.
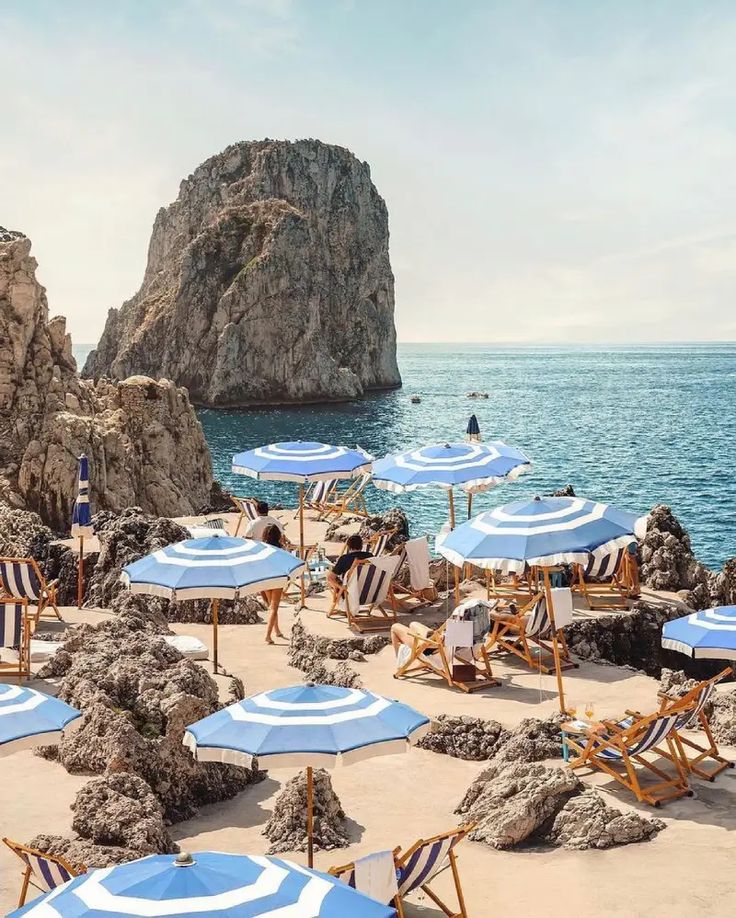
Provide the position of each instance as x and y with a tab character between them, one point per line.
313	725
82	515
213	885
543	531
706	635
211	568
29	718
302	462
472	466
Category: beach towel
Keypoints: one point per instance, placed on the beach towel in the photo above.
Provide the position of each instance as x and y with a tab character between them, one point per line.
375	876
562	606
417	558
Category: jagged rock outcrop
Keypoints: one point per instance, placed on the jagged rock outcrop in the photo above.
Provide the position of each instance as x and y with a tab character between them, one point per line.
287	827
516	803
268	280
393	519
142	436
476	739
310	653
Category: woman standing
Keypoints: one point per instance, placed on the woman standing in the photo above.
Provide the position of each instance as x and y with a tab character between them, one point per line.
272	536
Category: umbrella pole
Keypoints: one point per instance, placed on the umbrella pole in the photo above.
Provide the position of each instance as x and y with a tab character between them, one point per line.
470	505
80	574
301	545
310	817
555	646
456	571
215	608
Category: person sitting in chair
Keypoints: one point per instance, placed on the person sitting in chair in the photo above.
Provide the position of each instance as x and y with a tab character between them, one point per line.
343	564
258	527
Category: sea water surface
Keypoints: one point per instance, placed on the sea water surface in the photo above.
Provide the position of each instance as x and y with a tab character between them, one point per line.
632	426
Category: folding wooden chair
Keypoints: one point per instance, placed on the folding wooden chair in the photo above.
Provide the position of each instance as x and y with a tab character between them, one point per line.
368	586
615	748
378	543
319	496
21	581
418	867
602	582
526	632
42	871
351	500
248	509
421	590
16	627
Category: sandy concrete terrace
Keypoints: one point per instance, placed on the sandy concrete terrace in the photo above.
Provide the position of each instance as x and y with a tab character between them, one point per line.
686	870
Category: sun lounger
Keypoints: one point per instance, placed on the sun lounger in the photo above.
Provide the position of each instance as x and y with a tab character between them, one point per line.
351	500
247	507
42	871
526	632
603	582
378	543
207	529
367	588
15	639
319	496
417	868
21	580
421	590
616	748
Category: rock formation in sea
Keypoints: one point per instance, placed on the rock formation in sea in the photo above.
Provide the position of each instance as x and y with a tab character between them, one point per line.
144	441
268	280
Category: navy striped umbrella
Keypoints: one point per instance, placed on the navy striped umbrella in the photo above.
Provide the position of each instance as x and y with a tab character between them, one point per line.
82	521
473	429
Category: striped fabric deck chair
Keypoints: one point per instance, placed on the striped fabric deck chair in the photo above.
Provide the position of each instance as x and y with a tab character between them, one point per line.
368	587
16	627
21	580
418	867
247	508
42	871
378	543
420	590
351	500
615	749
526	632
319	496
602	582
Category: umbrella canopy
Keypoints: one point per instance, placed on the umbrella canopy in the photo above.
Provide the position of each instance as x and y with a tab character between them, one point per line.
314	725
207	884
211	568
302	462
543	531
706	635
30	718
82	514
472	466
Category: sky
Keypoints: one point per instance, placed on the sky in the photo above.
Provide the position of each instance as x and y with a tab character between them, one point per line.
555	172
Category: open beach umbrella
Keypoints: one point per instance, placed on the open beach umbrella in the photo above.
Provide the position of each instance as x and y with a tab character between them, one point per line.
212	568
208	884
302	462
29	718
306	725
82	521
542	532
706	635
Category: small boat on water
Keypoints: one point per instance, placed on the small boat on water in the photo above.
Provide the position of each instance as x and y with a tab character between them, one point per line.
415	399
476	395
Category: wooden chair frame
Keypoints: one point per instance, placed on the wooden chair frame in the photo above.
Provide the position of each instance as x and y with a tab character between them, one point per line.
319	505
439	662
613	591
508	633
21	669
19	850
408	598
351	500
368	621
47	598
622	739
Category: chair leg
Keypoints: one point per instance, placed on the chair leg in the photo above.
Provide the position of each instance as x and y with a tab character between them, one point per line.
24	887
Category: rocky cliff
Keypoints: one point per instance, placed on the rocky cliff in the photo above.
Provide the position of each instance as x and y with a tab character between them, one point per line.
145	444
268	280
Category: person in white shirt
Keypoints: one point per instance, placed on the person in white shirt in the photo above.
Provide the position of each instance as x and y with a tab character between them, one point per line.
258	527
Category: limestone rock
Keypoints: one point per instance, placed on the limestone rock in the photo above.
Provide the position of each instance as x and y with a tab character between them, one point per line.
471	738
395	518
287	827
142	436
585	821
667	561
268	279
533	740
80	852
310	653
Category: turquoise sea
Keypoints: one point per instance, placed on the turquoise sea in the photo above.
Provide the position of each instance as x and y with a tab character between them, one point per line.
633	426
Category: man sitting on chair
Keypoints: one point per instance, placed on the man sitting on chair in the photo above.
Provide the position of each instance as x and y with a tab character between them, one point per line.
258	527
345	562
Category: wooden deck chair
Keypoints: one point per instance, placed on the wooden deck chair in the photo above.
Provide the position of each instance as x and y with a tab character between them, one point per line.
21	580
602	582
16	627
421	590
418	867
42	871
526	632
616	748
319	496
351	500
247	508
428	655
378	543
368	587
513	587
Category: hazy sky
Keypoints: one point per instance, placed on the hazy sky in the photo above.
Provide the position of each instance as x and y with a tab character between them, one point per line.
554	171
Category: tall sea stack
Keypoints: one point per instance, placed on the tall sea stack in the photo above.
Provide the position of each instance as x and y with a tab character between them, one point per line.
268	280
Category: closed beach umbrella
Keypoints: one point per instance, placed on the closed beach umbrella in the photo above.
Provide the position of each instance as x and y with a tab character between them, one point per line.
30	718
82	521
472	431
542	532
211	568
312	725
706	635
208	884
302	462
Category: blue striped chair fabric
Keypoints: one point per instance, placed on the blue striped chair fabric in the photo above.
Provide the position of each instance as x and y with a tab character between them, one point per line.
319	492
372	584
379	543
216	523
44	871
538	622
658	730
20	579
424	862
689	717
600	568
11	624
